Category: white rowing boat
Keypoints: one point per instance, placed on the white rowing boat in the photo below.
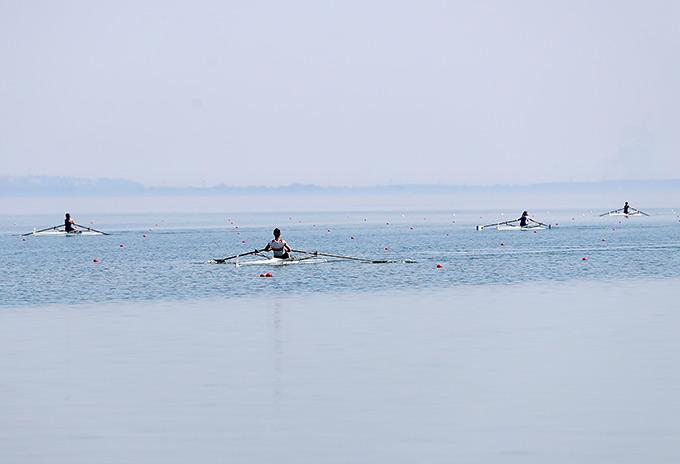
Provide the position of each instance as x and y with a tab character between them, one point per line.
633	214
63	233
304	257
510	227
280	261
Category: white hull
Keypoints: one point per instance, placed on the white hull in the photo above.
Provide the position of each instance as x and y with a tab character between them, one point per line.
62	233
507	227
625	215
279	262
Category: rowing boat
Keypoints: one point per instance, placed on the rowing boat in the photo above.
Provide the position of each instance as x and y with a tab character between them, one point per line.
280	261
617	213
516	224
632	212
59	231
303	257
63	233
510	227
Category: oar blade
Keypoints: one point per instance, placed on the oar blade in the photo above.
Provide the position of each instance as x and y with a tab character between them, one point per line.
41	230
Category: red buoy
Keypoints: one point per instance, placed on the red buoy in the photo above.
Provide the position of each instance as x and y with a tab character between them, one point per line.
439	266
585	258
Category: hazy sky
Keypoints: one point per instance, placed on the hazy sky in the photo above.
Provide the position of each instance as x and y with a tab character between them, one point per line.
344	92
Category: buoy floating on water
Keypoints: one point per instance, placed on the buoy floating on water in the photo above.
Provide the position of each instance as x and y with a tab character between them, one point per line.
439	265
585	258
266	274
96	260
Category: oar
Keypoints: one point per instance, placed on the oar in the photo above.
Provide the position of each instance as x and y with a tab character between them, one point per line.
497	224
90	228
223	260
610	212
330	255
540	223
641	212
41	230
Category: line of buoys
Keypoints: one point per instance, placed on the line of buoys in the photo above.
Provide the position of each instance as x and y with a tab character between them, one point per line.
266	274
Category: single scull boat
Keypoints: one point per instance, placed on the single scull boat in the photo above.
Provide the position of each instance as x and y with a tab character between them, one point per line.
63	233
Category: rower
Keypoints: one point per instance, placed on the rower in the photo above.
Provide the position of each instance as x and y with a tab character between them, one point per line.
69	223
524	220
278	246
626	208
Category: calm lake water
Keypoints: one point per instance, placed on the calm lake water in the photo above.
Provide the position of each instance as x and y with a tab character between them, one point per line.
163	257
515	351
527	373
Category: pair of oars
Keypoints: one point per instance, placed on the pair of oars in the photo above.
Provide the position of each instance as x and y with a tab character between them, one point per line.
311	254
512	222
61	225
621	210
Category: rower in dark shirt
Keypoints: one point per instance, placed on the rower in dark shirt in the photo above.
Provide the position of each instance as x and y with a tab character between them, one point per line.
524	220
69	223
626	208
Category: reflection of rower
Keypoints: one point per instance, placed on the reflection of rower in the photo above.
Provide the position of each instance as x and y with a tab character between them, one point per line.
278	246
626	208
524	220
69	223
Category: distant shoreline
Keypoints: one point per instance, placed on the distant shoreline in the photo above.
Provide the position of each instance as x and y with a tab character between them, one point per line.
36	186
